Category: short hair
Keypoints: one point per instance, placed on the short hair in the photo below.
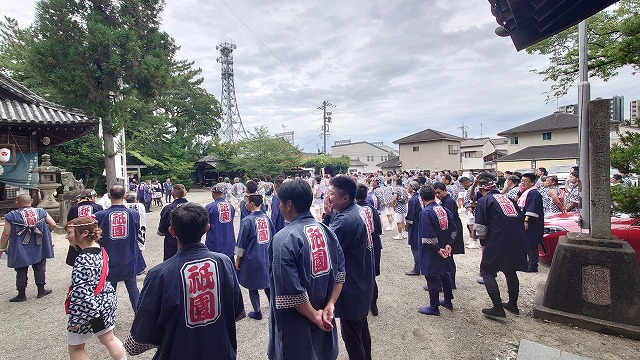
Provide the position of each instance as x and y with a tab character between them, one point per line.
299	192
553	178
415	185
440	186
131	197
361	192
24	199
252	187
464	180
399	181
255	198
575	174
180	190
189	222
80	224
447	177
617	177
530	176
117	192
421	179
278	181
623	171
514	178
518	174
427	193
509	172
346	185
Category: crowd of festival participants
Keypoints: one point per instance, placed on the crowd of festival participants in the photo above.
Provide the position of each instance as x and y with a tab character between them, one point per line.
312	245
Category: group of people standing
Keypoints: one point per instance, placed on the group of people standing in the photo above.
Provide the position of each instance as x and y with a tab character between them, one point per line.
313	266
151	190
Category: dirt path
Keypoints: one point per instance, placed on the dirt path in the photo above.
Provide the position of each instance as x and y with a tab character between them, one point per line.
36	329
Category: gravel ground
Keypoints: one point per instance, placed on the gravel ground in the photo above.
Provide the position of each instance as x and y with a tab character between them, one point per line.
35	329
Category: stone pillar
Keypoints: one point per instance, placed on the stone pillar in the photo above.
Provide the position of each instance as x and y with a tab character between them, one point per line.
594	280
599	164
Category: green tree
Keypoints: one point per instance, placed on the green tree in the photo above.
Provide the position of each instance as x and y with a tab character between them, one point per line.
97	54
626	199
339	164
262	154
613	42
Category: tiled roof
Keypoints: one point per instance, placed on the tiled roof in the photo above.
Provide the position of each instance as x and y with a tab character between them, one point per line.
19	105
391	163
555	121
545	152
474	142
427	135
355	162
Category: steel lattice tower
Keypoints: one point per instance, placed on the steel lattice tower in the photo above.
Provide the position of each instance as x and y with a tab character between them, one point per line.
231	127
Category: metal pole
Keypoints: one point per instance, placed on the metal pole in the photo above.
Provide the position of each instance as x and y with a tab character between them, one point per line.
324	127
584	96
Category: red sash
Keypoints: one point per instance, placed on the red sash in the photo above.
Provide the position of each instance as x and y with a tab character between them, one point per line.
99	287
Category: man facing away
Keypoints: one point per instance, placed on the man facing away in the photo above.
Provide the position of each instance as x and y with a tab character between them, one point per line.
27	240
353	306
307	275
220	236
190	303
120	232
179	193
499	227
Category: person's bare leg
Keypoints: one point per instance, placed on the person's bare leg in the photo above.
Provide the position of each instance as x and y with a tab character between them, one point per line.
77	352
114	345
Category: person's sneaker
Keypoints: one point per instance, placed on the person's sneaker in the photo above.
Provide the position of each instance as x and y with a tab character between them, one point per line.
404	235
494	312
446	304
388	228
18	298
468	241
428	310
374	309
512	309
256	315
43	293
425	288
473	245
480	280
397	237
412	273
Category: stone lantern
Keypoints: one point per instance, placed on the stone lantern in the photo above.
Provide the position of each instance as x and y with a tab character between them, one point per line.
47	173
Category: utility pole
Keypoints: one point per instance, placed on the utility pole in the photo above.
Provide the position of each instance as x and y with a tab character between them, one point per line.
326	117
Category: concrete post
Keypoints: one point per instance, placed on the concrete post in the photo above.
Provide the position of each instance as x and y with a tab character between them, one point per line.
599	164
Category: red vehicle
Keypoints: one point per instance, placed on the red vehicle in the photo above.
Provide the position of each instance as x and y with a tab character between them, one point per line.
623	227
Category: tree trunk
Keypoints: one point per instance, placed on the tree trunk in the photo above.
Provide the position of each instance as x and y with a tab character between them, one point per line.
109	157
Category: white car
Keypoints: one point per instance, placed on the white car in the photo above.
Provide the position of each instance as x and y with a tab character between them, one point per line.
562	172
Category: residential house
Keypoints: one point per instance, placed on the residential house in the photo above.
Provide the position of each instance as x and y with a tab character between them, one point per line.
550	140
364	156
473	152
429	150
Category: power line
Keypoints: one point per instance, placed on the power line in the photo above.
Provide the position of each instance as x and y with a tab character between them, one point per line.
272	53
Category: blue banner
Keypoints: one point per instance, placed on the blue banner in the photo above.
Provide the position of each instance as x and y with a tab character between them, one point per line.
18	174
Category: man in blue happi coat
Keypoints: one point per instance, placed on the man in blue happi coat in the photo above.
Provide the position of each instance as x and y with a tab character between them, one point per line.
437	232
27	240
120	232
343	217
220	236
179	193
374	226
307	273
277	219
499	226
457	247
413	219
530	202
190	303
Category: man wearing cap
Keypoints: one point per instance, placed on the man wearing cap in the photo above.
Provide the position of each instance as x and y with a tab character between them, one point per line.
499	226
220	236
179	194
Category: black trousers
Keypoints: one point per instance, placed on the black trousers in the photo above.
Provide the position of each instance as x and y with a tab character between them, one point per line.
39	270
357	339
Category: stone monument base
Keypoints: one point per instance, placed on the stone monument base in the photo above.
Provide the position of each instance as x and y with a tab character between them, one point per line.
593	284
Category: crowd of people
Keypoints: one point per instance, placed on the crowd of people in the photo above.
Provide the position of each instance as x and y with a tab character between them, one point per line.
311	244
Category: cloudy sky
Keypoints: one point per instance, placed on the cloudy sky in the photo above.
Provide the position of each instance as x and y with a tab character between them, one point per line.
390	68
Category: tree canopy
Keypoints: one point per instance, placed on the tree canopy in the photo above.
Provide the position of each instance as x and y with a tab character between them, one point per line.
262	154
613	42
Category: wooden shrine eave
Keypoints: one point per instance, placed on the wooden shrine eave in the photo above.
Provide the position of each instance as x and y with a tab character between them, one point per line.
47	120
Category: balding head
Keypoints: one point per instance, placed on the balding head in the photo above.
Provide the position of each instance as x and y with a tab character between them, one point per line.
117	192
24	200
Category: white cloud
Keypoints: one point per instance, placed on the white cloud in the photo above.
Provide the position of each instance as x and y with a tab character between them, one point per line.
391	68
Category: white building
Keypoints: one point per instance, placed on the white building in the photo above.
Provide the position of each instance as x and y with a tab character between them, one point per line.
364	155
